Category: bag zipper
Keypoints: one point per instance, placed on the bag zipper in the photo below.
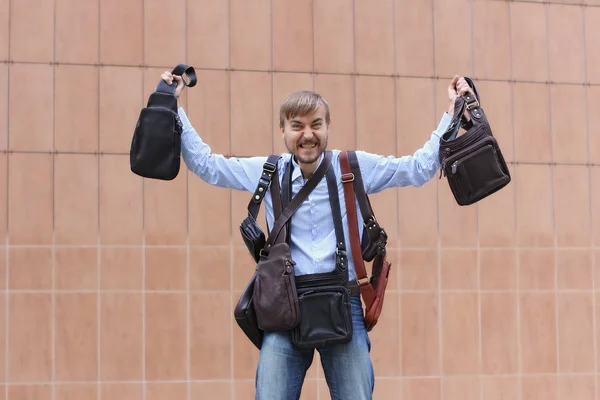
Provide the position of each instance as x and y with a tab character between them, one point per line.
323	281
474	136
455	157
289	264
319	289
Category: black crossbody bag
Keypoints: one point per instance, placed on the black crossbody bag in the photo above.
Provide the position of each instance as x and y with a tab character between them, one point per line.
324	298
156	144
472	162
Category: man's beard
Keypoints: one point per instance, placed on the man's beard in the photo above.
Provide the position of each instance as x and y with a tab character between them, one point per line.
321	146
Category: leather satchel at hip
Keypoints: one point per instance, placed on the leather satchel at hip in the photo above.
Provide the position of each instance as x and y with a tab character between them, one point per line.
472	162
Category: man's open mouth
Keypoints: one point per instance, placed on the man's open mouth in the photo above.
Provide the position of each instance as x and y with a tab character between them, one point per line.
308	145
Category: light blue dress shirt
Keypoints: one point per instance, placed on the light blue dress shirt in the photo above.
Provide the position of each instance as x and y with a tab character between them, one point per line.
312	233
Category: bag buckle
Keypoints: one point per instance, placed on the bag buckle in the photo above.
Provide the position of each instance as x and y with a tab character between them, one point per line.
363	281
269	167
472	104
346	178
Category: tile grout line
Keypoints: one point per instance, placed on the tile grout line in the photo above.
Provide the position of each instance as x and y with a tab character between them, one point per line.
354	75
188	335
248	380
143	293
591	198
98	322
54	182
7	239
355	101
99	252
553	191
439	239
144	233
554	2
272	75
407	248
188	318
396	83
477	212
516	213
230	245
333	73
404	291
313	72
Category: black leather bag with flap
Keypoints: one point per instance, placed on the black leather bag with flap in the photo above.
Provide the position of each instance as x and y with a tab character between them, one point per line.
472	162
156	144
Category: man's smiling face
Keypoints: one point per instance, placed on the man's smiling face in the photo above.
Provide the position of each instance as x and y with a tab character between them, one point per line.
305	136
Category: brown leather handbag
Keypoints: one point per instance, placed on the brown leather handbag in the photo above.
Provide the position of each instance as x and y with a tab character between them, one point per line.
374	241
254	238
472	162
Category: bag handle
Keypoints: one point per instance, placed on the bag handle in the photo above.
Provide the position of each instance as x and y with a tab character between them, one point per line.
180	70
296	202
468	103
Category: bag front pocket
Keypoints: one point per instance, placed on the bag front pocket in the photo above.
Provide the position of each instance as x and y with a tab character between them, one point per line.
275	298
478	172
325	317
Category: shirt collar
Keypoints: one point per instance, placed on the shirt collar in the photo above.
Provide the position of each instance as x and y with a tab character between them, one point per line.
297	172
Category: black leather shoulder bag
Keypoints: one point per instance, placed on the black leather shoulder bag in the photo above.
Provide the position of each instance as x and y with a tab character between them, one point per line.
324	298
472	162
156	144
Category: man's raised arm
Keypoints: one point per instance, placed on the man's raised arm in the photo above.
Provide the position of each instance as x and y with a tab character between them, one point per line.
214	169
382	172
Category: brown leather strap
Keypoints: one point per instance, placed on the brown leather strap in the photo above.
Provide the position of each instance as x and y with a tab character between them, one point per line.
363	200
348	179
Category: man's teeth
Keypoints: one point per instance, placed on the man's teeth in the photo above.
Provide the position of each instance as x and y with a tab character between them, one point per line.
308	146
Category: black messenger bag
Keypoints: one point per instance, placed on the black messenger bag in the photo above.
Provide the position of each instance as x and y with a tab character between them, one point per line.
472	162
156	145
324	298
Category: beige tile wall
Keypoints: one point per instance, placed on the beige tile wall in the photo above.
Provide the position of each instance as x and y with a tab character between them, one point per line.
120	288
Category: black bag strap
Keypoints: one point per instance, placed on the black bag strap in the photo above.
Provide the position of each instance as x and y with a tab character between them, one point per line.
296	202
286	194
180	70
334	200
363	199
264	182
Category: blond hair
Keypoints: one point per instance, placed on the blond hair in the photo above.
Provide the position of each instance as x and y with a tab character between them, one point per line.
302	102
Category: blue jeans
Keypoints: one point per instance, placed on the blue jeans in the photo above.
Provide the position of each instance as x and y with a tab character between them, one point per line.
347	367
